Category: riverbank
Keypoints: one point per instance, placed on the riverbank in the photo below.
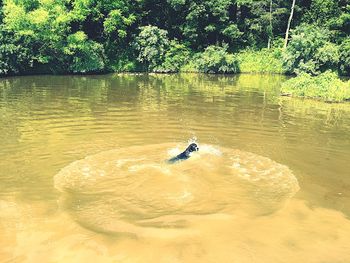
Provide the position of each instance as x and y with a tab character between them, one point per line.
224	37
327	87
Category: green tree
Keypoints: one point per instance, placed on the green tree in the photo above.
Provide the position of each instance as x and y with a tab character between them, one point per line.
202	23
152	44
175	57
86	55
310	51
321	12
341	23
41	27
216	59
14	57
100	19
109	22
82	36
345	57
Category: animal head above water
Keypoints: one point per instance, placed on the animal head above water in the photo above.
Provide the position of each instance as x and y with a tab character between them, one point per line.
193	147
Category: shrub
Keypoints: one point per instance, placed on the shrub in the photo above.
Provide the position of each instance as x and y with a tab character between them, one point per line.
41	27
151	44
309	51
190	66
342	23
216	59
87	55
326	86
14	58
263	61
321	12
176	56
124	64
327	56
345	57
232	32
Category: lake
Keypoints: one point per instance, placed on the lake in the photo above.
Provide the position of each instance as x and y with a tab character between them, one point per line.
84	178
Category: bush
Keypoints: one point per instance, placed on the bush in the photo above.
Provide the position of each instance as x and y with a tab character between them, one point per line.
345	57
216	59
87	55
327	57
41	27
176	56
309	51
124	64
322	11
233	33
14	58
326	86
263	61
151	44
190	66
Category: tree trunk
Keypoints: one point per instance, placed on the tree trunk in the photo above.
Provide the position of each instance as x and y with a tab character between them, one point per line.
270	29
288	25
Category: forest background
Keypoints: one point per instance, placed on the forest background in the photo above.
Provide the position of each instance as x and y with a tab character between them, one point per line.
302	38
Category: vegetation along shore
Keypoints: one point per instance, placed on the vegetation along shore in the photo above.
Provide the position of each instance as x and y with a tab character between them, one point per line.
309	40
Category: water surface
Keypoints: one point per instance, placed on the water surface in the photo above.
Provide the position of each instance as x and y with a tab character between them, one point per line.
238	200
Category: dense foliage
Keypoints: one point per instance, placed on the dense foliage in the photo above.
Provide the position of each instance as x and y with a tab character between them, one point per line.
262	61
326	86
151	44
227	36
311	51
215	59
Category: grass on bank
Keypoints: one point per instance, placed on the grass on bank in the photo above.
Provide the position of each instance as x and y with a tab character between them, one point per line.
326	86
263	61
246	61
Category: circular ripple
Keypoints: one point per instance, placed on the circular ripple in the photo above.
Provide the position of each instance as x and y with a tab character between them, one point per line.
132	189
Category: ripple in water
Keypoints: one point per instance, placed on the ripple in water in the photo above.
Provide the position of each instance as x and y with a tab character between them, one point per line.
132	189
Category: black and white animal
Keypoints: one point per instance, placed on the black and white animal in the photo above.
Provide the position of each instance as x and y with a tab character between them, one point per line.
193	147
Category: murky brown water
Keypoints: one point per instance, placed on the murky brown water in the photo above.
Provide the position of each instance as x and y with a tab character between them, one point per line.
83	177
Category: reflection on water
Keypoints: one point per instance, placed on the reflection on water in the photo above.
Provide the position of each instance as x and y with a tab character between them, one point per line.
221	205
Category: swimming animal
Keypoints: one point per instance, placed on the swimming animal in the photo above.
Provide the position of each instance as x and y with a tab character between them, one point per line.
193	147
